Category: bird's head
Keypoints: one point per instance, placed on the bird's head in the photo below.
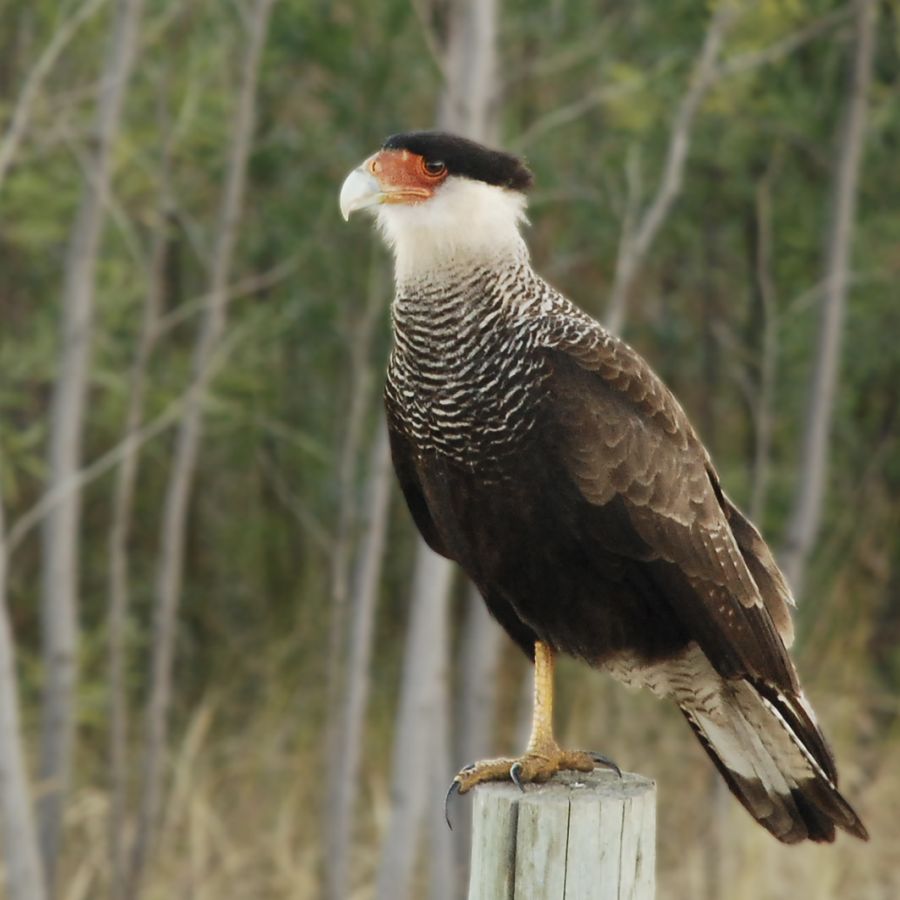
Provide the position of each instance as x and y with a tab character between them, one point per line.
439	198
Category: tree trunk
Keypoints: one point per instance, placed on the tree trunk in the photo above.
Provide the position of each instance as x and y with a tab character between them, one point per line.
412	763
24	876
345	775
59	588
810	495
468	107
482	643
480	650
361	377
444	871
768	349
172	538
120	528
636	243
468	104
359	342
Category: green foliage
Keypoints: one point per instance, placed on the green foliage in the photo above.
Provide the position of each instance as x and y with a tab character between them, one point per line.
337	78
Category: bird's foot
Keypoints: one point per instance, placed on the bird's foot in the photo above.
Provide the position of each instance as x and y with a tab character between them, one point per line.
535	766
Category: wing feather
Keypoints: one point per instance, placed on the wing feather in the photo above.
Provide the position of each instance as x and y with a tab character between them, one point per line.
626	442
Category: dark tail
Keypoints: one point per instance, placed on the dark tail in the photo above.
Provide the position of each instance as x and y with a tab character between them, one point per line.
775	760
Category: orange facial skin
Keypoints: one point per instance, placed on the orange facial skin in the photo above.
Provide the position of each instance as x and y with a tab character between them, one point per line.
405	177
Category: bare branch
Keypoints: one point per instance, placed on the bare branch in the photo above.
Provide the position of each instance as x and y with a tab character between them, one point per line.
293	503
775	52
18	123
570	112
635	245
737	65
246	287
569	56
133	442
111	204
425	15
174	524
116	454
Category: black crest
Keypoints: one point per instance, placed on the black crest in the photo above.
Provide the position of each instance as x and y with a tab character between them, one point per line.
464	157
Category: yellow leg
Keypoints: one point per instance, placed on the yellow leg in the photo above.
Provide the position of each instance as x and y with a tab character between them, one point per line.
541	739
543	757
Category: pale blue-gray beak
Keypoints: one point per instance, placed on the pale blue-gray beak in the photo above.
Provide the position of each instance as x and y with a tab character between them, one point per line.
359	191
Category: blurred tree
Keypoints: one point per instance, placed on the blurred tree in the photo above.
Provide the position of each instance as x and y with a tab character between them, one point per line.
468	105
24	875
277	513
25	103
61	528
126	483
187	447
637	237
811	486
350	744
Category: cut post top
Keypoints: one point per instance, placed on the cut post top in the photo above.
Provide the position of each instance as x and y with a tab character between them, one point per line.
577	837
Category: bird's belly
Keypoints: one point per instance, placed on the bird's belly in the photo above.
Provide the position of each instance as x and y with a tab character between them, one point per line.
521	539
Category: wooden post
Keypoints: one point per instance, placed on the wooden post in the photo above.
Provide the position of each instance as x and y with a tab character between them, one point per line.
578	837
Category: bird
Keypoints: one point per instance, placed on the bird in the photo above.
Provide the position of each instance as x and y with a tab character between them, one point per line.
544	456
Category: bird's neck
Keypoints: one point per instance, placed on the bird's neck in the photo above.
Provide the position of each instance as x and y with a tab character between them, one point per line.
467	225
463	273
458	374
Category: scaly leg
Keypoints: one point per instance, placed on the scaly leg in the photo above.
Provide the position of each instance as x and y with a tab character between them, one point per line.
543	757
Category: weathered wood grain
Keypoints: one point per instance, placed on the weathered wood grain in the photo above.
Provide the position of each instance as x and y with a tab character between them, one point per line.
579	837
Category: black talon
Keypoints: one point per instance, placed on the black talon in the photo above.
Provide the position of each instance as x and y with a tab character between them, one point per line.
454	789
514	772
605	761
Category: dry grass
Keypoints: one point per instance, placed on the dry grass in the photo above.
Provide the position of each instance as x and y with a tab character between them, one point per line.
242	818
240	821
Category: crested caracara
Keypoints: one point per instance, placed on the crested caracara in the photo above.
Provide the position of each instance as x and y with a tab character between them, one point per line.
543	455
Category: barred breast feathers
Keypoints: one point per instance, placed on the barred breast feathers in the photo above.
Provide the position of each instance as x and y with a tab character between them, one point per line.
469	312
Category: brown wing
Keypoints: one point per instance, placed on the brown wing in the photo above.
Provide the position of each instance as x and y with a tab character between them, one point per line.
627	443
649	488
776	594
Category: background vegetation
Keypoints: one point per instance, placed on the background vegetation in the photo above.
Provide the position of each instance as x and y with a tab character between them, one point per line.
209	585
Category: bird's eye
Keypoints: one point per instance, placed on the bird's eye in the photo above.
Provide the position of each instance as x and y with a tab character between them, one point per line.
434	167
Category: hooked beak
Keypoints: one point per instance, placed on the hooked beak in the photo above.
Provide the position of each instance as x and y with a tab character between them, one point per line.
359	191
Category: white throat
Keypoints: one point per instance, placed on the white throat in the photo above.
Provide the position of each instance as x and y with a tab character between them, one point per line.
465	223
